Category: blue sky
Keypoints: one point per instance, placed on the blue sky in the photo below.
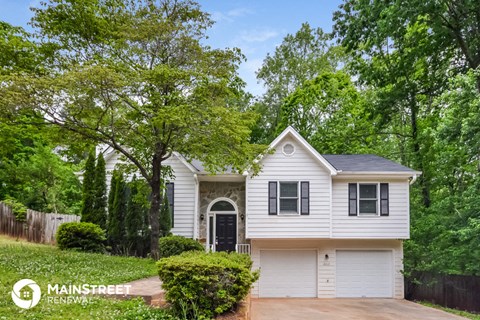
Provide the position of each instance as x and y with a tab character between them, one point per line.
256	27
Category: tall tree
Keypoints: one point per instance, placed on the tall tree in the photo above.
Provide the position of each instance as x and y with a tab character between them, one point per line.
88	198
330	113
116	231
395	54
301	56
136	76
99	213
135	224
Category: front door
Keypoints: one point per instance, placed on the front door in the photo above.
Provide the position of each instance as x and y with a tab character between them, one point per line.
226	232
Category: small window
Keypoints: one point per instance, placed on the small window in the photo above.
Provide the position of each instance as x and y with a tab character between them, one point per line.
288	197
222	206
288	149
368	199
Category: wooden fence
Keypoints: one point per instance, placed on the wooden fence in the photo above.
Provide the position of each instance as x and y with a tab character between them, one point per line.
39	227
453	291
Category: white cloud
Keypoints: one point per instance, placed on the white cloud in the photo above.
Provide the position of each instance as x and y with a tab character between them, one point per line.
218	16
239	12
258	35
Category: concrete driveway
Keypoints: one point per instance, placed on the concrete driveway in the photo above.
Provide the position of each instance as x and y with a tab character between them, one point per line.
344	309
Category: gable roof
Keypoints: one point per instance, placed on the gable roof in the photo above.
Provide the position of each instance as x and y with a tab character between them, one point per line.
293	133
365	163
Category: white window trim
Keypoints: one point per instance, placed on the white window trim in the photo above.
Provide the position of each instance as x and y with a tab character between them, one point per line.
377	199
280	213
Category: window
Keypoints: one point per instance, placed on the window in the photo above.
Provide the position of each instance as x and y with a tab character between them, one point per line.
368	199
222	206
289	198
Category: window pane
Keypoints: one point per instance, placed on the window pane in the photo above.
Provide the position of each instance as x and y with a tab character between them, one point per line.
368	206
222	206
368	191
289	205
288	189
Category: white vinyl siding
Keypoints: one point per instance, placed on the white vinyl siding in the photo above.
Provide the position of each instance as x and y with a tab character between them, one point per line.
301	166
394	226
288	273
184	193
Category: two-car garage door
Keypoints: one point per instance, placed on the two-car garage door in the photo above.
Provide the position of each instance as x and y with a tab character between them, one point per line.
358	273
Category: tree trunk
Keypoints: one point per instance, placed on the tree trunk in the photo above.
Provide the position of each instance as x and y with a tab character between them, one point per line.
155	203
423	179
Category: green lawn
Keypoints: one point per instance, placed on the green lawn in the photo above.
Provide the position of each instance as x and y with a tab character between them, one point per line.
48	265
465	314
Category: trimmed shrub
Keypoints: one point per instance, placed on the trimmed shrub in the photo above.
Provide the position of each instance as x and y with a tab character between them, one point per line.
81	236
200	284
175	245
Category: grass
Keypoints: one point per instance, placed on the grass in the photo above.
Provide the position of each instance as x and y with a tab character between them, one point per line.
465	314
48	265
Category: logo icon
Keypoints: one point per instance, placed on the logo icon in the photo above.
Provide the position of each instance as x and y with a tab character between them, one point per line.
26	299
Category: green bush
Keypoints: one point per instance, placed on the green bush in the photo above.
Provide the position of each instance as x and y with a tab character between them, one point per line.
18	209
175	245
81	236
200	284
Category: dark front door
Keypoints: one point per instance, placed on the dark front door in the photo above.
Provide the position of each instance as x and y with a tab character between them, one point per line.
226	229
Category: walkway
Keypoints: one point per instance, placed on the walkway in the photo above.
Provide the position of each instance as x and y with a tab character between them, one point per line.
149	289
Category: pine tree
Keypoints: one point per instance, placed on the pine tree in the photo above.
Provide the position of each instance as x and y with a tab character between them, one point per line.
134	219
165	218
99	214
116	224
111	194
88	188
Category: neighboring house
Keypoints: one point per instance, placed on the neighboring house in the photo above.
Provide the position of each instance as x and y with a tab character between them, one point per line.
315	225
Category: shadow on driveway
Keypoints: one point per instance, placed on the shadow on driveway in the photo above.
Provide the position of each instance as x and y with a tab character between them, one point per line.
344	309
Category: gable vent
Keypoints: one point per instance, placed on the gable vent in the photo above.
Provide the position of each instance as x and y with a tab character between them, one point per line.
288	149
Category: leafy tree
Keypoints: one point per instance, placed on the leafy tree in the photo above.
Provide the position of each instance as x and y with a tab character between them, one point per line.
301	57
99	213
165	218
330	113
38	178
136	77
89	189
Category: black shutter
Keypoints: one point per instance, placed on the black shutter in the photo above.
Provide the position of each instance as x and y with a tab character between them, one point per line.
352	199
384	210
171	199
272	198
304	198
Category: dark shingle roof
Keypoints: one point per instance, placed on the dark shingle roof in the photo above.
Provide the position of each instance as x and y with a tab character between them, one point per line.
364	163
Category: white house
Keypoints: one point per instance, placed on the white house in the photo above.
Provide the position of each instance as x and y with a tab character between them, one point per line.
315	225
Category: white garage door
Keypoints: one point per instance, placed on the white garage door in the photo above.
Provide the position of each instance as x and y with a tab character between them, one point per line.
288	273
364	274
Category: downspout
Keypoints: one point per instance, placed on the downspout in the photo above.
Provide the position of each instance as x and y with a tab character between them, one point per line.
414	178
195	210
